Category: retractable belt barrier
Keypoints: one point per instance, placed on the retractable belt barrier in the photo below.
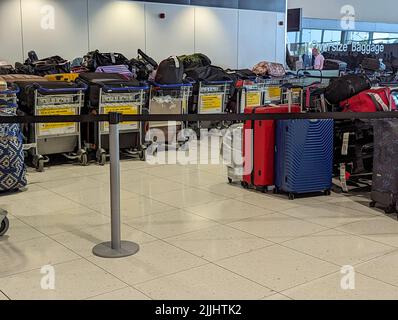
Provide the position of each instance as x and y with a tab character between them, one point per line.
116	248
201	117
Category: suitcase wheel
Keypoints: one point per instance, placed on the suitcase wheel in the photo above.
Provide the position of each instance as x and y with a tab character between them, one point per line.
229	180
327	193
390	210
276	190
142	155
38	163
372	204
245	185
5	224
291	196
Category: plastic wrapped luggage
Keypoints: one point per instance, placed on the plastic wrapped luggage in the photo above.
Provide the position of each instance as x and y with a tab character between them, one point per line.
232	152
304	156
372	100
12	166
259	155
385	170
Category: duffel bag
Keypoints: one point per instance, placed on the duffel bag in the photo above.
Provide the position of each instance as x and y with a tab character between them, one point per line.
208	73
331	64
370	64
370	101
95	59
50	65
170	71
272	69
194	61
346	87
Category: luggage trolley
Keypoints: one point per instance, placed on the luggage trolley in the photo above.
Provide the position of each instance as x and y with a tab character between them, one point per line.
167	99
251	94
44	139
212	99
126	100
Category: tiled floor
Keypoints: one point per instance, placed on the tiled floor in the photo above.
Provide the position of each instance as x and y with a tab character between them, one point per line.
200	238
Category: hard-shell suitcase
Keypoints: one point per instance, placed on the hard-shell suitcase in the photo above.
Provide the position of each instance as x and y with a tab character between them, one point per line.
372	100
385	170
232	152
121	69
12	166
11	78
69	77
259	156
304	156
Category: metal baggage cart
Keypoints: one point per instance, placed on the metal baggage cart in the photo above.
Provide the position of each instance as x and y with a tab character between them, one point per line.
251	94
128	101
46	139
167	99
212	99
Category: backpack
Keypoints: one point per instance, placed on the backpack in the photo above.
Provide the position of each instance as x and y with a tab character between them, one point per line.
372	100
95	59
170	71
346	87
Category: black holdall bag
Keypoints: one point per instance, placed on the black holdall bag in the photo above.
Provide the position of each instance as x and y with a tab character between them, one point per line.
195	60
345	87
385	170
170	71
208	73
143	66
95	59
331	64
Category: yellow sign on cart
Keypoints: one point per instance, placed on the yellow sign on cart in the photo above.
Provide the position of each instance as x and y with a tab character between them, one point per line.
253	99
63	128
211	103
123	109
274	93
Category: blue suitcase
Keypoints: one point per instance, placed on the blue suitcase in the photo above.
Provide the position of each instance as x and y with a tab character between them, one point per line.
304	156
12	166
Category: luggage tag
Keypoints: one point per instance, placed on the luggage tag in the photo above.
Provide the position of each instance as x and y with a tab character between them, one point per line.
343	180
346	140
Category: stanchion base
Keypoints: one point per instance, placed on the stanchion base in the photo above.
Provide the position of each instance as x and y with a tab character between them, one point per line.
104	250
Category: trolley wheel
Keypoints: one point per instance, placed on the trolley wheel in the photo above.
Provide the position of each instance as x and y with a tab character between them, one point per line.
83	159
372	204
5	224
39	163
390	210
142	154
327	193
229	180
101	157
291	196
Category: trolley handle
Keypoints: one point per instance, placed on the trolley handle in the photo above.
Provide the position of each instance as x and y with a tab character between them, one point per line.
108	88
82	87
171	86
13	90
218	82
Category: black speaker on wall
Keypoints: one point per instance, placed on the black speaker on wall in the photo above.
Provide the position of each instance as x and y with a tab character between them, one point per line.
294	20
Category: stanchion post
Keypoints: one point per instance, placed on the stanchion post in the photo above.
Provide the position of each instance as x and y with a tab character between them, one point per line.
116	248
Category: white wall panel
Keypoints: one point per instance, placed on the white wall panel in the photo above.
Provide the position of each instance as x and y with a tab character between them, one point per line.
216	35
68	38
117	26
280	44
257	36
171	36
10	31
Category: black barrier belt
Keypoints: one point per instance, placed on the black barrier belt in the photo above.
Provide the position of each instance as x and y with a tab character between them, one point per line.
202	117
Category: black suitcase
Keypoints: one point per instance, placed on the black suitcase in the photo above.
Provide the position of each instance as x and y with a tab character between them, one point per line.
96	80
26	95
385	170
331	64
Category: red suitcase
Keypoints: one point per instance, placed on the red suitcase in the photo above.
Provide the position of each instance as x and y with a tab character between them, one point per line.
259	144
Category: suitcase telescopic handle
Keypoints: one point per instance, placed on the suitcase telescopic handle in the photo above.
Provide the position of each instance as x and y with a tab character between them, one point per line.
13	90
82	87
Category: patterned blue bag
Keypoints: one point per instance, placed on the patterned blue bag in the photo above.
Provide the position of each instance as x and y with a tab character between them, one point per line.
12	166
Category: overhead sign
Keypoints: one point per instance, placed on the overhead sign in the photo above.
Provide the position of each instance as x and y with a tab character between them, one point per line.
362	48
